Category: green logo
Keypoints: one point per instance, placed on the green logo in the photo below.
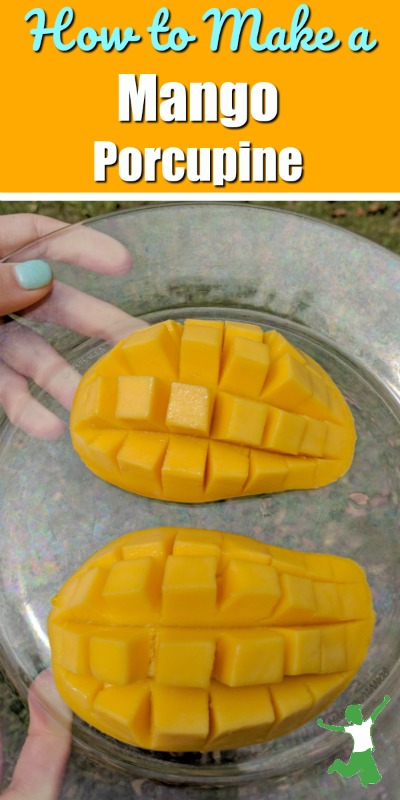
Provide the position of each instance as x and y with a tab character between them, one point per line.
361	762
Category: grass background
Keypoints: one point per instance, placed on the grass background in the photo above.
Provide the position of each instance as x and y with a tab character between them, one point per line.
379	221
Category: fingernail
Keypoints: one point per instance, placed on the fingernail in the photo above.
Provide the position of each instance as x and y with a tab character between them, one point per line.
33	274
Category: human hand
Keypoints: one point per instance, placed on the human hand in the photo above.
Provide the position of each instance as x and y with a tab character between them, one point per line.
23	353
40	767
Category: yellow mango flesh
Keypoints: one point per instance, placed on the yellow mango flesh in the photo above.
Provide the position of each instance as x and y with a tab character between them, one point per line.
210	410
181	639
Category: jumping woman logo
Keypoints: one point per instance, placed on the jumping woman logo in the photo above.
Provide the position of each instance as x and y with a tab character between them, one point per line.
361	762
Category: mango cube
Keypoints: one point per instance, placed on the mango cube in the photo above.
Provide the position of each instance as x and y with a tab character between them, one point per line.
266	469
289	561
249	658
298	602
292	702
243	549
317	404
284	431
227	469
288	383
249	590
235	711
300	472
354	600
140	459
279	346
184	468
333	649
106	446
98	402
78	691
184	658
245	366
113	368
132	586
324	689
72	648
313	442
192	542
200	354
327	596
124	709
189	583
179	718
302	650
189	409
244	330
157	346
336	441
120	657
238	420
85	591
143	400
156	543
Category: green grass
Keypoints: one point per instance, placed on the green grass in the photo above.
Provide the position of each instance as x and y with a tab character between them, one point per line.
379	221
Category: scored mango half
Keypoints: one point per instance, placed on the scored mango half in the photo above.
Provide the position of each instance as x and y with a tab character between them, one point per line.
210	410
181	639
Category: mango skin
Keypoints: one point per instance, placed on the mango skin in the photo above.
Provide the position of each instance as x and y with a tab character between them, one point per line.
180	639
210	410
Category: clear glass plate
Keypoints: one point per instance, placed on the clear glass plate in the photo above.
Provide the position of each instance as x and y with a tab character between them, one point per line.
336	296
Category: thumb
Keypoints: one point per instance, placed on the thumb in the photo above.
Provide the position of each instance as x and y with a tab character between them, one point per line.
41	765
24	284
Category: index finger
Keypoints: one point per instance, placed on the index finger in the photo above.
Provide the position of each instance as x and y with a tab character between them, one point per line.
68	307
74	244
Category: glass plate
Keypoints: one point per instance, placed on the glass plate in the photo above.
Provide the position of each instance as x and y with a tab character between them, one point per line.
336	296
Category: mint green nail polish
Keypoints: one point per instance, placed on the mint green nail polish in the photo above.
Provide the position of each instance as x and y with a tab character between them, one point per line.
33	274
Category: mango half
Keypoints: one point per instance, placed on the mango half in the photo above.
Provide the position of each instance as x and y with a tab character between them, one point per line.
210	410
181	639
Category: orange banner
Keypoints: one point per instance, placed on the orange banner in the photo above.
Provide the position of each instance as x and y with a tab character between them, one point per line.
138	97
